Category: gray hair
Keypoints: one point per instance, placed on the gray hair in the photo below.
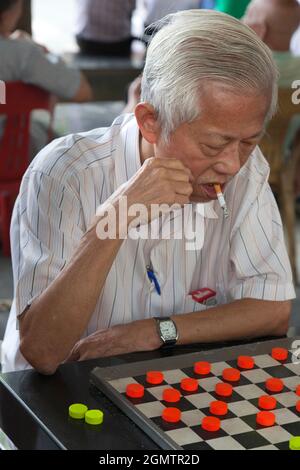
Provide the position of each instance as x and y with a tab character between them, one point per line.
194	46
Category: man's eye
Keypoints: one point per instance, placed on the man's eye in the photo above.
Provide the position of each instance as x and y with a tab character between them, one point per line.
248	144
211	147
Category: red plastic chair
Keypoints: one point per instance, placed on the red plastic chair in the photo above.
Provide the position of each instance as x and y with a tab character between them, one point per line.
21	100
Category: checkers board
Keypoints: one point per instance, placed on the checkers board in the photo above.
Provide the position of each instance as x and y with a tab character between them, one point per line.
239	429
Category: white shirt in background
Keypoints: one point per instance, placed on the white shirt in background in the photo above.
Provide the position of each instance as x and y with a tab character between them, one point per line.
104	20
295	45
157	9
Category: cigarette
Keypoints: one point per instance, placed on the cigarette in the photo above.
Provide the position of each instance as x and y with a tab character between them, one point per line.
221	200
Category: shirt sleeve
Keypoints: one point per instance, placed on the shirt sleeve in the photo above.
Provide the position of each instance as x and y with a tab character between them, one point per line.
47	227
259	259
49	72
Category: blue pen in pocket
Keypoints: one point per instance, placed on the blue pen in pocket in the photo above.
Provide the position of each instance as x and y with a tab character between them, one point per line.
153	278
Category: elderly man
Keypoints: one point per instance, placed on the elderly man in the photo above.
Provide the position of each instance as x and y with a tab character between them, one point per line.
208	90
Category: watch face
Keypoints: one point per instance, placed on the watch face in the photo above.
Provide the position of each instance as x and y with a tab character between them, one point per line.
168	330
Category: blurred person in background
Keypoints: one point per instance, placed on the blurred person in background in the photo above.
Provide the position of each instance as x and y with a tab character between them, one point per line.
156	10
295	43
275	22
24	60
103	27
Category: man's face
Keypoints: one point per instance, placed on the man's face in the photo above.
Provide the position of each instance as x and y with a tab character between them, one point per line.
220	141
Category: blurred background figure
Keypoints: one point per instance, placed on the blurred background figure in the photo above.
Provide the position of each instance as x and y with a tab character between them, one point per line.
157	9
275	22
208	4
295	44
103	27
24	60
234	8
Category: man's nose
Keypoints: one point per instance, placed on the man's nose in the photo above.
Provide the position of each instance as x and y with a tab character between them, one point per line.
229	162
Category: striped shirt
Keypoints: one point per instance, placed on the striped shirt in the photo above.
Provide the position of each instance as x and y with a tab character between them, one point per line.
242	256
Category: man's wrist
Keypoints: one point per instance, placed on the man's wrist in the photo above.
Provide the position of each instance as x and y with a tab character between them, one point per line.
146	335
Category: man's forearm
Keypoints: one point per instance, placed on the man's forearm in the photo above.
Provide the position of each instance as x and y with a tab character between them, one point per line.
242	319
246	318
57	318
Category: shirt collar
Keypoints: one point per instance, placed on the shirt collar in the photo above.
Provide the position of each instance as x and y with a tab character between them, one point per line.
126	152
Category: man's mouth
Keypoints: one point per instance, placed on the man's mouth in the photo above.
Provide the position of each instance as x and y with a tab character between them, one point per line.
210	191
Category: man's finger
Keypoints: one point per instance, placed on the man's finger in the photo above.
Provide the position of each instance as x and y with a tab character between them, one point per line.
184	189
171	164
177	175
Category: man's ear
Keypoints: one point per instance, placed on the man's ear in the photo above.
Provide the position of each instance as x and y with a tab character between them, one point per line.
147	122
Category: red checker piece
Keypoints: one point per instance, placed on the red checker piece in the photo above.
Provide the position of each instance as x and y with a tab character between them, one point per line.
211	424
232	375
154	377
280	354
223	390
171	415
245	362
135	391
202	368
298	391
171	395
298	406
219	408
265	418
274	385
189	385
267	403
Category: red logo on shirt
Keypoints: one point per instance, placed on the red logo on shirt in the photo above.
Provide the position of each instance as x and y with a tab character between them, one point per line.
203	295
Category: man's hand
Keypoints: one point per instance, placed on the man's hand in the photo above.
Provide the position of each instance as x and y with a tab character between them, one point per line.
159	181
120	339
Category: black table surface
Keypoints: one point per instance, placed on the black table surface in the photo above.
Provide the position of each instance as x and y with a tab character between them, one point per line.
34	408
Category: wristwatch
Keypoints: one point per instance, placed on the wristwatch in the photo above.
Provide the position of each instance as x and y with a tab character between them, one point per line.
167	331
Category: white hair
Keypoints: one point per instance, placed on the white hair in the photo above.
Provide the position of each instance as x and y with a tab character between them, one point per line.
194	46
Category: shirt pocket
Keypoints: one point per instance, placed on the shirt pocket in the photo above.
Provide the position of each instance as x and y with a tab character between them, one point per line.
191	305
220	298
